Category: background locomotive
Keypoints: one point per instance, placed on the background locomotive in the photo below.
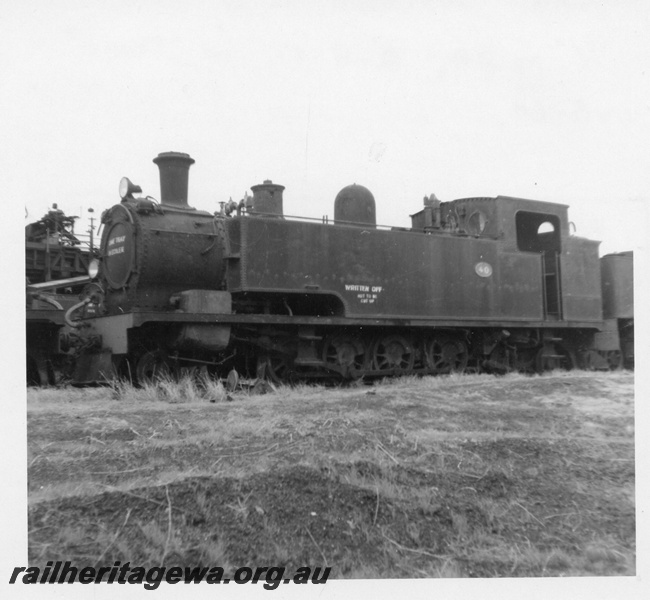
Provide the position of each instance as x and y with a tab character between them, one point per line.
478	283
56	269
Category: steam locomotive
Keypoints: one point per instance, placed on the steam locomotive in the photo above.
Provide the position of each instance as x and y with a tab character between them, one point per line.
494	284
56	270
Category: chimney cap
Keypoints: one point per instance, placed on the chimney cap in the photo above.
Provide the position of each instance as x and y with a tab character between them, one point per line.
163	156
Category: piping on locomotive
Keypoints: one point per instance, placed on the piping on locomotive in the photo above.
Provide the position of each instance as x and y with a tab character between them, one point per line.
493	284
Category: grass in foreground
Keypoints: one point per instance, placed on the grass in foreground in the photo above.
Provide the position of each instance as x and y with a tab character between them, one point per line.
433	477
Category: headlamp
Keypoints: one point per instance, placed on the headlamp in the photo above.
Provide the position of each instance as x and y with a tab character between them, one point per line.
127	188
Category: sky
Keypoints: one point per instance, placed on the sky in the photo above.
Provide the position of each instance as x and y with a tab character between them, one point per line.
542	100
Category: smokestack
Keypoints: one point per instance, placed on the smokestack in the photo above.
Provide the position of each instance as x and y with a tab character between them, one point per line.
174	172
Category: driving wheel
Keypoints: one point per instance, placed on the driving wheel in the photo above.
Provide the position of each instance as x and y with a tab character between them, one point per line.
345	354
446	355
392	352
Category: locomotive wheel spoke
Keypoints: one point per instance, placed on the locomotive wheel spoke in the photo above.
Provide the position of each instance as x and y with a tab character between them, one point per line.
446	355
346	354
277	368
152	366
525	361
393	352
197	373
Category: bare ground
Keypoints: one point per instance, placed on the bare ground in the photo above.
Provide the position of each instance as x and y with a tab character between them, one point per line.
473	476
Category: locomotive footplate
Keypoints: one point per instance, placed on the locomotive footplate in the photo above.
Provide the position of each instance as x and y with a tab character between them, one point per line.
138	318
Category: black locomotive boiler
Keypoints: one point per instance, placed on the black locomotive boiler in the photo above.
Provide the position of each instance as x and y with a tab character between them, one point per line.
478	283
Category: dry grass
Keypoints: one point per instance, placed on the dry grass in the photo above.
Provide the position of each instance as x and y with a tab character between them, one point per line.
417	477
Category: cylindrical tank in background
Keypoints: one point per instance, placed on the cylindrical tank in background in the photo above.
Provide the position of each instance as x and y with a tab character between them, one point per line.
617	281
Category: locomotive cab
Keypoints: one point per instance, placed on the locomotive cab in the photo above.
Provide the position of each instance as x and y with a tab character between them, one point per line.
534	241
